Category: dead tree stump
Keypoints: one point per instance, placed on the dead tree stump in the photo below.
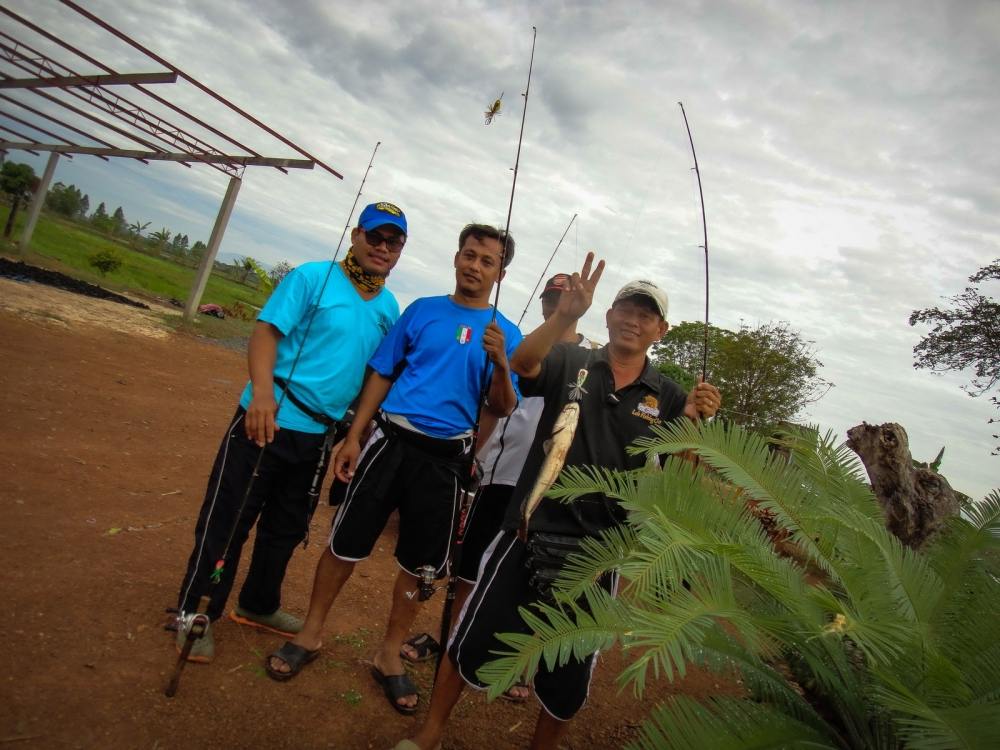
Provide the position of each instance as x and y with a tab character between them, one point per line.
916	501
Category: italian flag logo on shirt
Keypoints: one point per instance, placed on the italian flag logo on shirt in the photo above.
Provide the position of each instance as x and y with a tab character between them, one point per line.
463	334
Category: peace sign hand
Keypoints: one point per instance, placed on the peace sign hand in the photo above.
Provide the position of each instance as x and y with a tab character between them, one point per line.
576	300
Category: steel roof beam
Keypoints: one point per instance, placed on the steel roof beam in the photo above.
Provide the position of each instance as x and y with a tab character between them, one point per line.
207	158
118	79
97	63
193	81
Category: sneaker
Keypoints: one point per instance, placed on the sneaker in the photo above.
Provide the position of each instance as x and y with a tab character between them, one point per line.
202	650
280	622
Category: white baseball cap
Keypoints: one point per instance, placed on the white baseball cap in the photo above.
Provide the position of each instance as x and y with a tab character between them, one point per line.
645	289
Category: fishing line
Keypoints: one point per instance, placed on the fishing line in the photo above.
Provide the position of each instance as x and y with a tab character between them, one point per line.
544	271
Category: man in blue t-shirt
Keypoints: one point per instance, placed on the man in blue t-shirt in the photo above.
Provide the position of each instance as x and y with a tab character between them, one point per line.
423	392
307	353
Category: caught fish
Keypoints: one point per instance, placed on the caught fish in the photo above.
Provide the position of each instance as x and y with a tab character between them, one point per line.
557	447
493	110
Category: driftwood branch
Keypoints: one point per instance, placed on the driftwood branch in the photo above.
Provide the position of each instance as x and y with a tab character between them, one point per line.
916	501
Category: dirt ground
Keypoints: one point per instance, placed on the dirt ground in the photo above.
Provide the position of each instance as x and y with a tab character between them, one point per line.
110	426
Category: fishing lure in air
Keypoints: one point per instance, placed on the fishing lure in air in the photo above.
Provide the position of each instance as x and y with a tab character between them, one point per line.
493	110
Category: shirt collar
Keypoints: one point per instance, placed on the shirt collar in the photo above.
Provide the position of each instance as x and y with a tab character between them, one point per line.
650	376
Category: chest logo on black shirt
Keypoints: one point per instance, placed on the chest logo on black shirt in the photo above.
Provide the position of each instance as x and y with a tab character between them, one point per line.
648	409
463	335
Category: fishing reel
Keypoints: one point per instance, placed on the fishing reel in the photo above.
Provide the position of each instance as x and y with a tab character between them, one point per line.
192	624
426	585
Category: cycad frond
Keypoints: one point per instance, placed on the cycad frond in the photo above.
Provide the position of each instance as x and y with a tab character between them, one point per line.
569	630
744	460
927	727
597	557
683	723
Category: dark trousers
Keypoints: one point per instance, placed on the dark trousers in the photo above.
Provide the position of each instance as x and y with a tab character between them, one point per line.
279	498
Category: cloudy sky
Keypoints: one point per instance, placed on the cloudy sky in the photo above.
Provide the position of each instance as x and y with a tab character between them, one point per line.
849	153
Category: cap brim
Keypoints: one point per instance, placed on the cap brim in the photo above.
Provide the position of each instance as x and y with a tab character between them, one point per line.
385	220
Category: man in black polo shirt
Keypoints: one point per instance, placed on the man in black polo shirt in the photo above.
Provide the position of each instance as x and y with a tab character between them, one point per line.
621	396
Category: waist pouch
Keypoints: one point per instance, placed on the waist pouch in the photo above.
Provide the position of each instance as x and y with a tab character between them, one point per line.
546	558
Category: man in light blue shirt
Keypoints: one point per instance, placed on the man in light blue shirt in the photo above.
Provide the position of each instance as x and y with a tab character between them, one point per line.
308	353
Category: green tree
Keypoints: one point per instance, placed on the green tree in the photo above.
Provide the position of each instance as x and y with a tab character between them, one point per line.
180	244
100	219
279	272
18	182
119	225
198	250
853	642
160	238
106	261
64	199
964	336
767	374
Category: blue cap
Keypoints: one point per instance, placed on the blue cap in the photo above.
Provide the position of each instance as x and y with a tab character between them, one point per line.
379	214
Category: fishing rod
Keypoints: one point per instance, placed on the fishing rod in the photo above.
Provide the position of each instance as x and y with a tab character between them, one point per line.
196	623
506	423
704	227
544	271
455	554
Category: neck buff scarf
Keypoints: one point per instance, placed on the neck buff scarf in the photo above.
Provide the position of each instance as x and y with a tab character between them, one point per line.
366	282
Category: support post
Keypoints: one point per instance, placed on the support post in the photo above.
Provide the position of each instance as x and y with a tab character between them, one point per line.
37	201
208	259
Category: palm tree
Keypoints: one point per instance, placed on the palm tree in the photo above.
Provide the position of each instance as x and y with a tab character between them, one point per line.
136	229
160	237
853	641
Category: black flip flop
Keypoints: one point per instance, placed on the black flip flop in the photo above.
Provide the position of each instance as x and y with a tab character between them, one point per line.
425	646
294	656
396	686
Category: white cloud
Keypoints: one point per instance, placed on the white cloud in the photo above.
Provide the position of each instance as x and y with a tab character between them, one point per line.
848	150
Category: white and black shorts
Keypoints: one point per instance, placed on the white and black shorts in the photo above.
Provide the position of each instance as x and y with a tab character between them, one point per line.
416	474
481	528
493	608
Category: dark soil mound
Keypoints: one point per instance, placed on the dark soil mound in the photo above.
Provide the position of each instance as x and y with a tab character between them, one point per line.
21	271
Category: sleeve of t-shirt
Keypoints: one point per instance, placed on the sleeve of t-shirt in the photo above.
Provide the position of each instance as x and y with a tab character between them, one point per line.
289	302
550	375
674	408
390	355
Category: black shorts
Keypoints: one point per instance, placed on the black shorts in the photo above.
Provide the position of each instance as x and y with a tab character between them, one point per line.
492	608
482	526
417	475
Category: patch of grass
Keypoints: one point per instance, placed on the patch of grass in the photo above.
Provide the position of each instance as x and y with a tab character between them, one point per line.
351	697
356	640
232	329
67	247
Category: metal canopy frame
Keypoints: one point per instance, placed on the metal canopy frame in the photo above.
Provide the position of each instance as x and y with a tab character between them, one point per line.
27	72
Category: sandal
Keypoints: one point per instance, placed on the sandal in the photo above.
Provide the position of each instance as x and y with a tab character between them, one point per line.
294	656
396	686
508	696
424	645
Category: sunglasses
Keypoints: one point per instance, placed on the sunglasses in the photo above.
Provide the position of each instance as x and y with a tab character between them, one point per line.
392	244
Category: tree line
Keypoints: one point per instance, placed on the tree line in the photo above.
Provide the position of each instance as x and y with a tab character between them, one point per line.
18	182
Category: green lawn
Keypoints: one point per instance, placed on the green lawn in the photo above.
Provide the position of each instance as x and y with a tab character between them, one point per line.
67	247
